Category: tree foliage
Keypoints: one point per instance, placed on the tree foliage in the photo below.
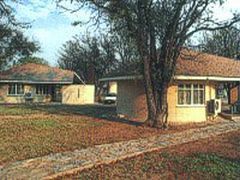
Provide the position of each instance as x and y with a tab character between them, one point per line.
13	43
159	29
32	59
90	57
224	42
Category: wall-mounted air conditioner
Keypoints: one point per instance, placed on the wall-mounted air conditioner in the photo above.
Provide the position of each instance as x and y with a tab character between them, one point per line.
214	106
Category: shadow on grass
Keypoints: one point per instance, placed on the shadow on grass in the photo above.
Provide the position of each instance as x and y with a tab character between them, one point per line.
107	112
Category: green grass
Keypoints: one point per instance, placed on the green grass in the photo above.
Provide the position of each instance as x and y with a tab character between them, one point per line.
207	166
28	109
28	137
12	110
39	123
28	131
167	166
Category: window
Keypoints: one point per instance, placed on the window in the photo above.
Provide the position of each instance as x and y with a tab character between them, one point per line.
15	89
42	89
191	94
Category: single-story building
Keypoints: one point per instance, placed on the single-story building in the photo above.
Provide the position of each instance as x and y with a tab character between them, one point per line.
192	96
41	83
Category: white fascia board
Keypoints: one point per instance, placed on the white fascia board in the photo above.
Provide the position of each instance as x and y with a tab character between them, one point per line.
209	78
121	78
33	82
177	77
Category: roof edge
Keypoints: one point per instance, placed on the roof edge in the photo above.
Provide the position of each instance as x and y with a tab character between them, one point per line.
118	78
177	77
79	77
208	78
35	82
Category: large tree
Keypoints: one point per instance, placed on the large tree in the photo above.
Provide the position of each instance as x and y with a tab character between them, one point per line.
159	29
223	42
32	59
90	57
13	43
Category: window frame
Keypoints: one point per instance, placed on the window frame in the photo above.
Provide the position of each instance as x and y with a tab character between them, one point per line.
42	90
192	89
16	86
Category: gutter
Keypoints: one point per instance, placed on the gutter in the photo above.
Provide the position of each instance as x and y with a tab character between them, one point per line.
118	78
177	77
208	78
34	82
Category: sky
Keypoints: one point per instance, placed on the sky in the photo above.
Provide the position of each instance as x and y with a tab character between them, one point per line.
52	27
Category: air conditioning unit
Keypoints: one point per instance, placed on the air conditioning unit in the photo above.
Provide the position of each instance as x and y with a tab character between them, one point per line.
214	106
218	105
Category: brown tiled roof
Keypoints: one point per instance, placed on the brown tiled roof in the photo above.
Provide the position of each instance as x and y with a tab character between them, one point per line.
192	63
37	73
201	64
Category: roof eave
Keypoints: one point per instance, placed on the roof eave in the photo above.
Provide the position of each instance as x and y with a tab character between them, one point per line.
206	78
119	78
36	82
177	77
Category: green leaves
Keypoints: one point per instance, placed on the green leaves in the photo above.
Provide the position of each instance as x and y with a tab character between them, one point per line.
32	59
14	45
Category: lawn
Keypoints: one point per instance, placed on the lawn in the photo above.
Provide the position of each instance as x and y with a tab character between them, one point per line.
32	131
212	158
28	131
8	110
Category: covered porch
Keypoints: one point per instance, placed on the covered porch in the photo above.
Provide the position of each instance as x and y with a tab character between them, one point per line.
229	93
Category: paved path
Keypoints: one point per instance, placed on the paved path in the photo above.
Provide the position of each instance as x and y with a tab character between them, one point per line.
56	165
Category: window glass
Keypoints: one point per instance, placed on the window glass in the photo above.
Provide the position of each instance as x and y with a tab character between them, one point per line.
180	97
15	89
190	94
180	86
42	89
195	96
188	86
195	86
201	97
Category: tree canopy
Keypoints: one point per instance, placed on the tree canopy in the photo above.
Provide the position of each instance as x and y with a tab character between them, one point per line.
90	57
13	43
159	30
32	59
224	42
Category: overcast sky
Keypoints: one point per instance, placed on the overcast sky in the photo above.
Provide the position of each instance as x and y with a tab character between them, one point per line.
52	28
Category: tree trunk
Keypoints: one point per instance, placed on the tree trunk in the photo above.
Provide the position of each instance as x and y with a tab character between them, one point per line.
161	120
156	100
151	103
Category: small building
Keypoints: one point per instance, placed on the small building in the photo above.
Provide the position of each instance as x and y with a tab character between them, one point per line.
42	84
192	95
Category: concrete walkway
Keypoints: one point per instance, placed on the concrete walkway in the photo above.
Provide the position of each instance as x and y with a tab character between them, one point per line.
56	165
